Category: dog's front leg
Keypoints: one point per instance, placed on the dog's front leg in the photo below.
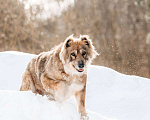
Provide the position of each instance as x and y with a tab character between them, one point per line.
48	83
50	86
80	97
54	88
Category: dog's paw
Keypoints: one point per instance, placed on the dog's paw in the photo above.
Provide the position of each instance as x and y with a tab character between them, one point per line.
84	118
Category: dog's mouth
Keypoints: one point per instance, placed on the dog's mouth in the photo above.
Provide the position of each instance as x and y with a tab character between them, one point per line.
79	70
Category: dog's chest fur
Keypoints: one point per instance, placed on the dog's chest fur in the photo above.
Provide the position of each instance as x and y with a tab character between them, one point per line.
74	86
69	89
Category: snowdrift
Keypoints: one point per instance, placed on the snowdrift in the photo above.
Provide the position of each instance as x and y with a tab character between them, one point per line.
27	106
116	95
24	105
109	93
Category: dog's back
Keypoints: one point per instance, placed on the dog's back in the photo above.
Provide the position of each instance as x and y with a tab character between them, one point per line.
31	77
28	76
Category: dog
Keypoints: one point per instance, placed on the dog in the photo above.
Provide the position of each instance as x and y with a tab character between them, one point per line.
62	71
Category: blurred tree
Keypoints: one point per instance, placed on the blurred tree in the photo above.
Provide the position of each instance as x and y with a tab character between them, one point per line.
118	28
22	31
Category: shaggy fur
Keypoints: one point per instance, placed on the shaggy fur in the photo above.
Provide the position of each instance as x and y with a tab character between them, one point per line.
61	72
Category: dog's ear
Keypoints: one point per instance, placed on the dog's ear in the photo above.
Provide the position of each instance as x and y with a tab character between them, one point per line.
86	39
88	42
68	42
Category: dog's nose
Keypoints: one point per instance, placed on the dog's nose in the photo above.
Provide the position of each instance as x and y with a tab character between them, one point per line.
80	64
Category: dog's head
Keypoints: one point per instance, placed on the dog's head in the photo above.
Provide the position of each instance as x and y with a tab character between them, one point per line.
77	53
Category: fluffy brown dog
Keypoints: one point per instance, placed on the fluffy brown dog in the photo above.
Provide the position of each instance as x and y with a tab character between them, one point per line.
61	72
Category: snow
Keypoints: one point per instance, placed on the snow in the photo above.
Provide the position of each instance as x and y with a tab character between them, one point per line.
27	106
116	95
12	65
109	93
16	105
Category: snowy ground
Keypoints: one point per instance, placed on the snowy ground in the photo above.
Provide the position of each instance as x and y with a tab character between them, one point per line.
27	106
109	93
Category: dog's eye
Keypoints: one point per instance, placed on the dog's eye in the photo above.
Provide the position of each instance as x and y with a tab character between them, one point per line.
84	53
73	54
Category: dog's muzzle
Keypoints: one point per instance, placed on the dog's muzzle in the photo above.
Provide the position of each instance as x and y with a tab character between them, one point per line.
79	70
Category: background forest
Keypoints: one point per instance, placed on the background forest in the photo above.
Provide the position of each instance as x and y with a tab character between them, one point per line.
120	29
